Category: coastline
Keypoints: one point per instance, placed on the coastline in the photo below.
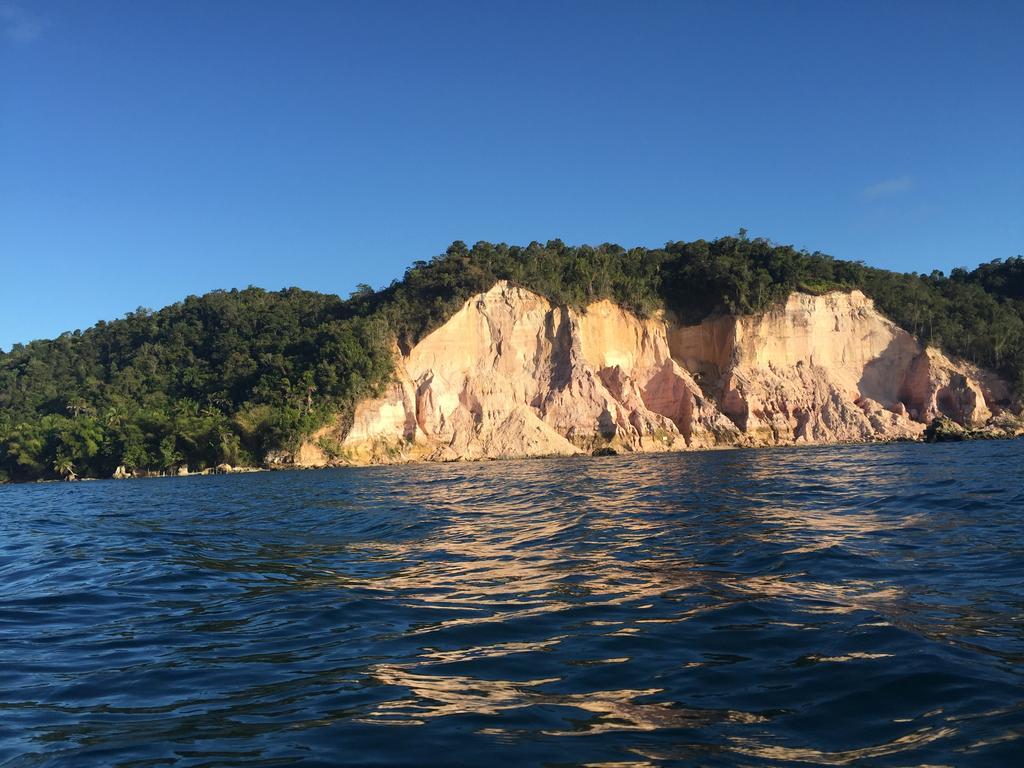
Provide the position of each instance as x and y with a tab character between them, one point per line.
977	435
512	374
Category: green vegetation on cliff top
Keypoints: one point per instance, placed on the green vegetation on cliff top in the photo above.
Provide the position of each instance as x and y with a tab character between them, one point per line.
231	375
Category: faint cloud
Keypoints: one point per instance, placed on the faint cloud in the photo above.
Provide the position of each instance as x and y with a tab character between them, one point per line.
888	187
18	25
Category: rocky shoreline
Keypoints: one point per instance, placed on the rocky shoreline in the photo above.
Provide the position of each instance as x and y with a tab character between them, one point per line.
945	430
941	430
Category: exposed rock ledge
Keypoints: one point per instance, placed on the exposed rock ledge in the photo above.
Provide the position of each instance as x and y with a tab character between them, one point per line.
511	375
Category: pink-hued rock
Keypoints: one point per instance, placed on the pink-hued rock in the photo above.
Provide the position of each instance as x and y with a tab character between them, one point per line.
512	375
936	386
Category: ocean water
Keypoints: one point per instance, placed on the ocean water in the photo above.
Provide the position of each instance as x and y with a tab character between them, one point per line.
822	606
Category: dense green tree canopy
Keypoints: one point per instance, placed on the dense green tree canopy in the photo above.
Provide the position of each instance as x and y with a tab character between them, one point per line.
228	376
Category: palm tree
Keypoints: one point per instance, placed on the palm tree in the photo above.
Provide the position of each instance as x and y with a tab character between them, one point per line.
114	417
63	467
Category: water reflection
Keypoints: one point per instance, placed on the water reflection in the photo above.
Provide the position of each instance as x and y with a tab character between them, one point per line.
711	608
433	696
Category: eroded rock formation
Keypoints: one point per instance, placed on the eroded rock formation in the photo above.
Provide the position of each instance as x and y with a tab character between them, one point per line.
511	375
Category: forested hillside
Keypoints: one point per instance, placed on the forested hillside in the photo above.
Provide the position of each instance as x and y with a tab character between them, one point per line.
231	375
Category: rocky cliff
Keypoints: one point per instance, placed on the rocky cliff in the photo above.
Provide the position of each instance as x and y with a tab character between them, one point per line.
511	375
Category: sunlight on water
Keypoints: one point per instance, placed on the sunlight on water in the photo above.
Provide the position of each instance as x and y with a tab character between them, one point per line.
810	606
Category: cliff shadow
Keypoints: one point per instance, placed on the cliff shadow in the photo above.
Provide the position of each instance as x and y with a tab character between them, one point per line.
884	378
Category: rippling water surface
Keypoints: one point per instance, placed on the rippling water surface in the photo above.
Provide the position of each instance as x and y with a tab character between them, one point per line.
855	605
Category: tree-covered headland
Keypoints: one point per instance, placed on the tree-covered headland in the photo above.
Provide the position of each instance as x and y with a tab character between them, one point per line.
229	376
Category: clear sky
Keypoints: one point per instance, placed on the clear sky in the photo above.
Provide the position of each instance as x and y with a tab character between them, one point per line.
158	148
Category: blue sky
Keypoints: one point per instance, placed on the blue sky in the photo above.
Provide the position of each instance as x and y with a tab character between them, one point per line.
151	150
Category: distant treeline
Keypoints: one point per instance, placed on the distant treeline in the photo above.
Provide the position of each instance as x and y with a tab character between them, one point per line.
229	376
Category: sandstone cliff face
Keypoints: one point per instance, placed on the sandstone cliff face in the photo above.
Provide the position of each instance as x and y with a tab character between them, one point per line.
821	369
511	375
